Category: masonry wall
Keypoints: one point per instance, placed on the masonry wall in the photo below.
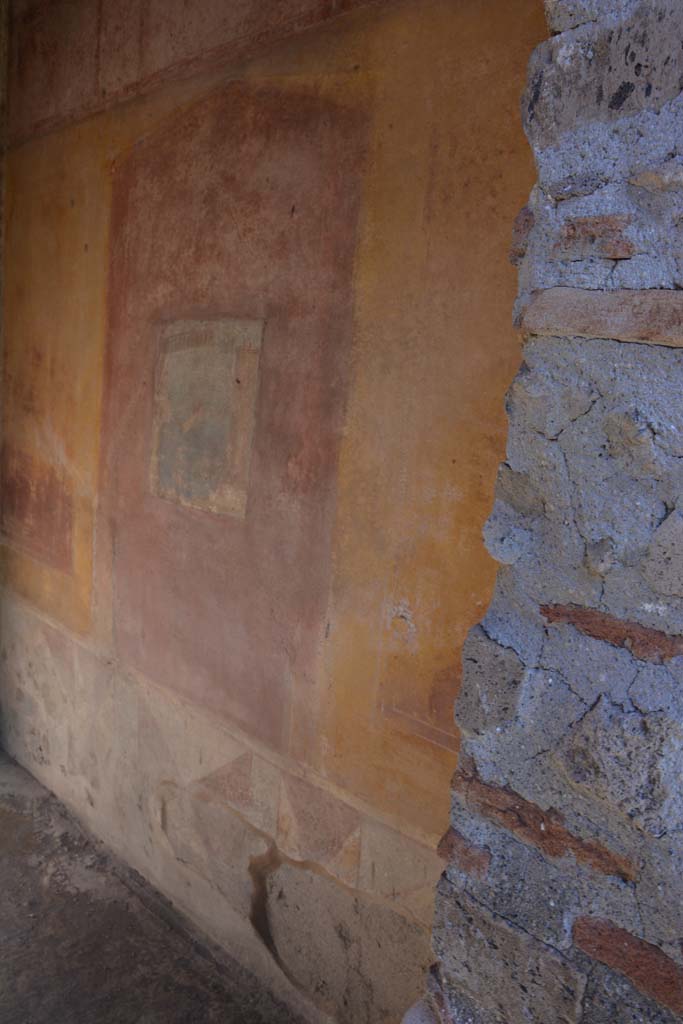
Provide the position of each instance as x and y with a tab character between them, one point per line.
562	897
257	335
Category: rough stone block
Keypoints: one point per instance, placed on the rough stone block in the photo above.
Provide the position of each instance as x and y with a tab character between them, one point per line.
666	178
452	1006
663	564
591	667
535	892
491	683
501	968
654	316
517	513
546	710
594	154
566	14
621	377
610	998
600	412
506	535
660	895
519	491
650	970
659	688
613	447
630	599
604	71
630	762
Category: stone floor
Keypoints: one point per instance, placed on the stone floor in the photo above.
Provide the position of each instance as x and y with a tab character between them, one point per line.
78	946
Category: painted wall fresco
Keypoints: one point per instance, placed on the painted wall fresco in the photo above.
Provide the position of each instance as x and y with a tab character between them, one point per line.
244	207
257	338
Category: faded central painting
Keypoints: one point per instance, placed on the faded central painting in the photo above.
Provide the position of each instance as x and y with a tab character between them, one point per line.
230	308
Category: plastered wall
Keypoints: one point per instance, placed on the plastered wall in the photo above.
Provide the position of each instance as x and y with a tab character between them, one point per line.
257	336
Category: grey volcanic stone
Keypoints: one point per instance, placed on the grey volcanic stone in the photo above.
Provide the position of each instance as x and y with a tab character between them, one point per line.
501	968
566	14
632	762
663	564
611	999
490	689
600	73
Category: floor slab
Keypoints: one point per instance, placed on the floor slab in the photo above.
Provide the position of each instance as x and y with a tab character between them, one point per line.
78	945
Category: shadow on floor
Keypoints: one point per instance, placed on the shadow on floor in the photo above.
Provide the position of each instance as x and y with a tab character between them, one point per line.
78	946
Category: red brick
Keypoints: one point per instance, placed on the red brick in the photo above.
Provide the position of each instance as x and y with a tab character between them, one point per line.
653	317
644	643
603	236
543	829
650	970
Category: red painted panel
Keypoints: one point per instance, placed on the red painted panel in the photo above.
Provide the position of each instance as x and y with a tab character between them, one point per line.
244	208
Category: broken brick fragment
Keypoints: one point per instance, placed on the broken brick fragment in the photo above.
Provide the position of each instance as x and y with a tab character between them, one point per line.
543	829
603	236
522	228
455	849
644	642
646	966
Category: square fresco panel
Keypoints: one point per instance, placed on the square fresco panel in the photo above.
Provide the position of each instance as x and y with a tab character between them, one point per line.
230	326
205	402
